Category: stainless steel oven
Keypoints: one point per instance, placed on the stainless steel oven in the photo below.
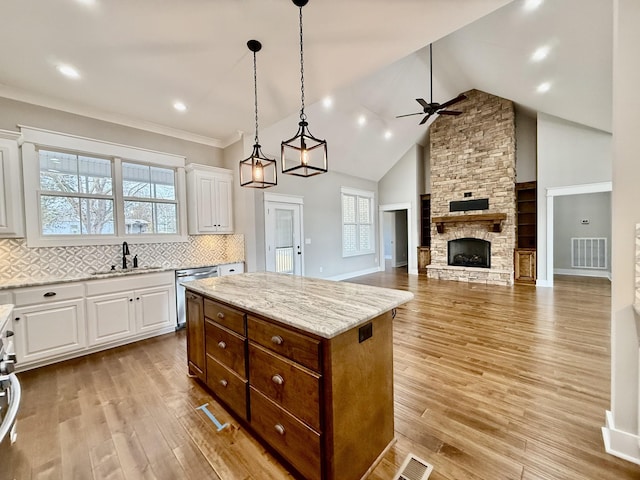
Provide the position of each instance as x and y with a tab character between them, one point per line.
187	275
10	391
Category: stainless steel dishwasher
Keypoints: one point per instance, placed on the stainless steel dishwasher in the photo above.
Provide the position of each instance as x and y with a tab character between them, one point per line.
187	275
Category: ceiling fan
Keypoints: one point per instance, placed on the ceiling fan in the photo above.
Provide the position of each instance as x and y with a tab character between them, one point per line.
432	108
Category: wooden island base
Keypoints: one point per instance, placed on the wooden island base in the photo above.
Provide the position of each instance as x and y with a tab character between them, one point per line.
324	404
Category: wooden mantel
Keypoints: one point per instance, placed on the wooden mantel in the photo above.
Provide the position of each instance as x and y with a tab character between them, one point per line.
494	220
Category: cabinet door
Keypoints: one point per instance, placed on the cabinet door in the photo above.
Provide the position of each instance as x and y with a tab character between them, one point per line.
11	224
45	331
206	204
195	335
110	317
224	189
155	308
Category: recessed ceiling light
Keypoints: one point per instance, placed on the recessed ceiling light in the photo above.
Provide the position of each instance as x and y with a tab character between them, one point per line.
388	134
327	102
540	53
68	71
89	3
532	4
543	87
181	107
362	120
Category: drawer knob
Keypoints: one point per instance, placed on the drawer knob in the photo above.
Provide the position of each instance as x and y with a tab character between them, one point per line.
220	315
277	339
224	383
50	294
277	379
222	345
279	428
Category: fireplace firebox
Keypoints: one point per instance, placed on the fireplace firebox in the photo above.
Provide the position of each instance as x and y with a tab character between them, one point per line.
469	252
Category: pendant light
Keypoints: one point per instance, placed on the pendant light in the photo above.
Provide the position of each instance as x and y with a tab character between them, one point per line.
257	171
303	155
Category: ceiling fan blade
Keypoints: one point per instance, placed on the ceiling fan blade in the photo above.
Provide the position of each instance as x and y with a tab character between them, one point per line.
459	98
424	120
410	114
449	112
422	102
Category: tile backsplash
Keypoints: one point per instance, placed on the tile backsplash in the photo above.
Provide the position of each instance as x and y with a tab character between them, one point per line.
19	261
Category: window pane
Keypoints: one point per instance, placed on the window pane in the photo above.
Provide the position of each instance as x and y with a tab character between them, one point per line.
58	172
349	238
97	216
163	181
364	214
143	181
365	237
166	218
149	217
348	209
94	176
60	215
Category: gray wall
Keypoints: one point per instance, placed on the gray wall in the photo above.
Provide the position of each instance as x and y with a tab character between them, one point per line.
568	154
402	241
526	148
14	113
568	212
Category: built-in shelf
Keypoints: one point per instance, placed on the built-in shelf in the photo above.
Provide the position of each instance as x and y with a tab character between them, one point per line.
493	219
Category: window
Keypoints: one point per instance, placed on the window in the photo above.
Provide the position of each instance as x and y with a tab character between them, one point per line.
357	223
97	198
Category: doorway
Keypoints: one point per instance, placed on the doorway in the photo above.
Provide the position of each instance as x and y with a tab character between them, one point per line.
283	234
395	233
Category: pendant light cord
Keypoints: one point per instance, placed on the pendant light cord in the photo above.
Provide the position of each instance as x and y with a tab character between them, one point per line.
303	117
255	92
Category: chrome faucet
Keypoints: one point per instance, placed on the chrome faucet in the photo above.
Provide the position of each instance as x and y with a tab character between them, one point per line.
125	252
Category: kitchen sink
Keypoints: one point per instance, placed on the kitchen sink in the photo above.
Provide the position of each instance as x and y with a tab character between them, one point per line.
128	271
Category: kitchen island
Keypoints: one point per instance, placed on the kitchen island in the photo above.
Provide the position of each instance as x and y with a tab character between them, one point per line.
305	364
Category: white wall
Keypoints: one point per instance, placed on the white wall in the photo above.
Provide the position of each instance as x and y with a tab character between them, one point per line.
568	213
526	148
568	154
388	227
622	423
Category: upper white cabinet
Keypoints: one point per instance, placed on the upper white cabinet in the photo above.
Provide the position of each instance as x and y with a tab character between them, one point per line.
11	202
209	199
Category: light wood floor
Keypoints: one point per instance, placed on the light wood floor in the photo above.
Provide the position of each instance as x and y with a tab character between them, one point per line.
490	383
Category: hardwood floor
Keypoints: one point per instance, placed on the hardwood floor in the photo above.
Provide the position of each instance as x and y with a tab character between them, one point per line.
490	383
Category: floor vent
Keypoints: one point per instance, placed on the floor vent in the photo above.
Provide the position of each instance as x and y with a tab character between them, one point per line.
414	468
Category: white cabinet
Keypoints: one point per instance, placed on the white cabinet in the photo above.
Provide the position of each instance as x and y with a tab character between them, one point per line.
11	201
48	321
121	308
231	269
209	195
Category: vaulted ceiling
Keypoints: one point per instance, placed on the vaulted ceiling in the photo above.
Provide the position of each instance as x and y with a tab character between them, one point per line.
136	58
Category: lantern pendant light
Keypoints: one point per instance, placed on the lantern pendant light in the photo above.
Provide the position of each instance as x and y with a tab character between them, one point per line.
257	171
303	155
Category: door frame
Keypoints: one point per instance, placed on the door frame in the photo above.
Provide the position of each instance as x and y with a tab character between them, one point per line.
390	208
292	200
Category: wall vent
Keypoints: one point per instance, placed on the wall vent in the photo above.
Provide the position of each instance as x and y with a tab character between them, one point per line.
414	468
589	253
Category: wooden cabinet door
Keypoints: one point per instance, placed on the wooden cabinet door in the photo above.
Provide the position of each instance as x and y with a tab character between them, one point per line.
44	331
524	265
110	317
195	335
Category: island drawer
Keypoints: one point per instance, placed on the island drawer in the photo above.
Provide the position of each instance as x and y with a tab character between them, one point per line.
227	316
299	348
225	346
295	441
295	388
228	386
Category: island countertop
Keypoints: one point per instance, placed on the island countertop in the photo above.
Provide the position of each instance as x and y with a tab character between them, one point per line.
322	307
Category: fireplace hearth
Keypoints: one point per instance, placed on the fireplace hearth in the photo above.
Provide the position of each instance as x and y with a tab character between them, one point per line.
469	252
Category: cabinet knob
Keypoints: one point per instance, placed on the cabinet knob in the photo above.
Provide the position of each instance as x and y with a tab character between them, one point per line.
224	383
277	339
277	379
279	428
17	319
220	315
131	299
222	345
49	294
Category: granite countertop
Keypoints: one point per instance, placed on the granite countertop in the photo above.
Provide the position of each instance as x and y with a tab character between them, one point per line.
322	307
91	275
5	313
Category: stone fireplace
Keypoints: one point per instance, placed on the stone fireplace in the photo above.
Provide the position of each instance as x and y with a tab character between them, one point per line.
473	163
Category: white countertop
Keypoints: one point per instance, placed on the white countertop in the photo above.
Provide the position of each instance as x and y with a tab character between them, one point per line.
5	313
322	307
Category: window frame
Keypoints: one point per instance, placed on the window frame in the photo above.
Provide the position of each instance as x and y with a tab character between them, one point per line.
370	197
34	139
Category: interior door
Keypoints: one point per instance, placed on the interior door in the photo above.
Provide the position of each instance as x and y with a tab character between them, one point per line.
283	237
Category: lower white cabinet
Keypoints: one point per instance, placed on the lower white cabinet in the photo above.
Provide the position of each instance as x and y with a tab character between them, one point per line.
231	269
48	330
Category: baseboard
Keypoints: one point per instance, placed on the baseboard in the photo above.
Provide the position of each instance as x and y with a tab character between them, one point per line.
346	276
581	272
620	444
541	282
